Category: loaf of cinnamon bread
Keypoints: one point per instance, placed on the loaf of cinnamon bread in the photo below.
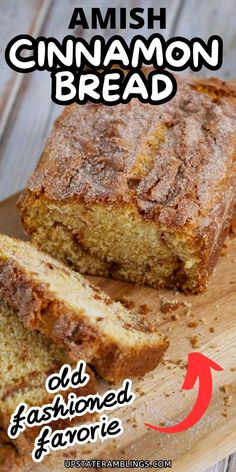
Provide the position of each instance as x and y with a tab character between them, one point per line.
139	192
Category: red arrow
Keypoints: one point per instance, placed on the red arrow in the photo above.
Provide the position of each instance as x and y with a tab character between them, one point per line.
199	366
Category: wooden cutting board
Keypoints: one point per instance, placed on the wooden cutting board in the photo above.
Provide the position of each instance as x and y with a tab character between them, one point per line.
159	398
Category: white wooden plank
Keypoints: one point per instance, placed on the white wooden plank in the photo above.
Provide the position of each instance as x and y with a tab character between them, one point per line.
24	138
34	112
232	463
220	467
16	18
205	18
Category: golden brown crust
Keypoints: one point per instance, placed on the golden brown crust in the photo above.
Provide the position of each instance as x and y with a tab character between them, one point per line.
133	363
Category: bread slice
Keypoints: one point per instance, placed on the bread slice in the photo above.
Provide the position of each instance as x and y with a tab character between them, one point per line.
26	359
60	303
138	192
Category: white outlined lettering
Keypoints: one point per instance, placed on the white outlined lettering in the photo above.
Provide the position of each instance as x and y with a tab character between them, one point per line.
71	83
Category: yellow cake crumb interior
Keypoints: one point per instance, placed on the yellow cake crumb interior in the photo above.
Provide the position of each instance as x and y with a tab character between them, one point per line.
99	240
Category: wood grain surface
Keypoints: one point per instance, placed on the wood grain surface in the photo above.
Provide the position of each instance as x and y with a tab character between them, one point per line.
27	113
159	395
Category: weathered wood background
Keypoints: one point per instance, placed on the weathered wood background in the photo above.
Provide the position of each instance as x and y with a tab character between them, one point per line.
26	111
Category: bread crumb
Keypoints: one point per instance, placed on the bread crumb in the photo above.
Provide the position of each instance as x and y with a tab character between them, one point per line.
187	304
212	329
86	451
108	301
225	388
175	317
179	361
126	302
140	391
144	309
193	324
228	400
194	341
188	313
168	306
